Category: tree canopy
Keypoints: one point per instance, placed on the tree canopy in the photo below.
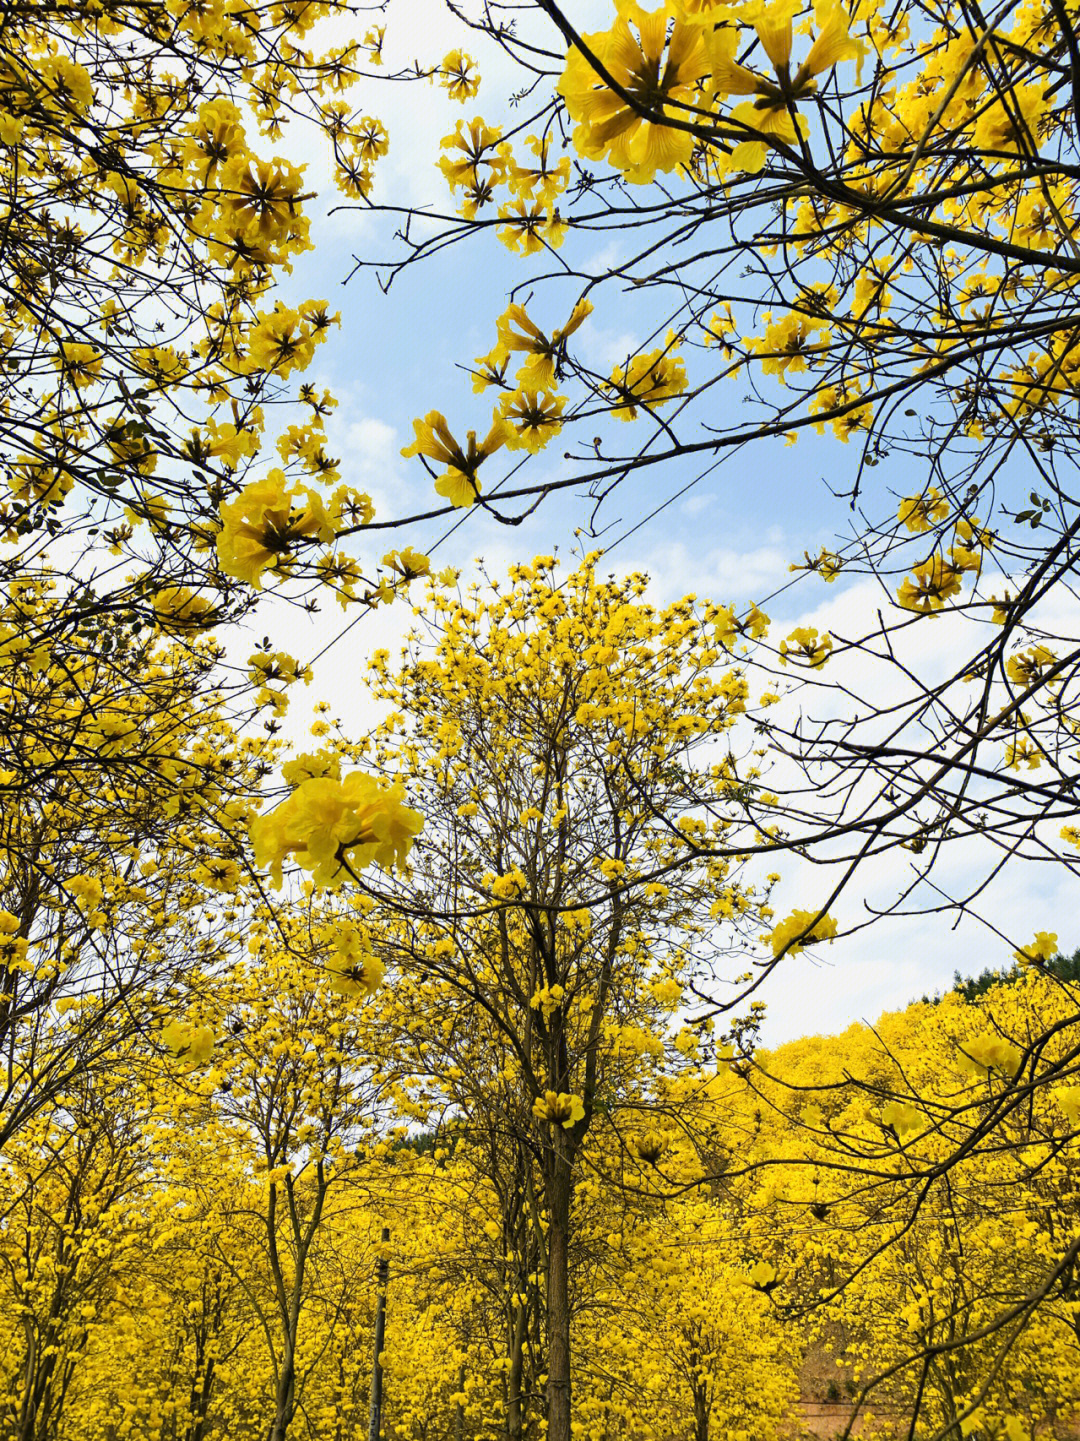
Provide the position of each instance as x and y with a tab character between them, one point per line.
492	975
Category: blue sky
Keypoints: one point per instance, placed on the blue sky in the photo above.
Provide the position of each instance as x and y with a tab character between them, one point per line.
731	536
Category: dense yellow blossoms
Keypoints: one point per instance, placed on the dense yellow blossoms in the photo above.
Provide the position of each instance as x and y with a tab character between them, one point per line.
261	527
673	66
335	828
801	928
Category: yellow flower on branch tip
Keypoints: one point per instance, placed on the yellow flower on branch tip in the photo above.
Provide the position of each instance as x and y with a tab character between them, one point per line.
772	21
659	65
832	44
828	564
218	873
762	1276
764	118
1022	750
544	181
538	371
805	646
433	439
930	585
352	970
1029	666
902	1117
79	364
188	1042
990	1052
327	823
181	611
771	114
278	666
260	528
530	225
1042	948
801	928
1068	1098
283	341
261	199
459	76
919	512
788	342
535	418
727	76
654	378
559	1109
477	143
408	563
216	137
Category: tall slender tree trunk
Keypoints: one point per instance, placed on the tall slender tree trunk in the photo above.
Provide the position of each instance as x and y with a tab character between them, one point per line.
284	1394
701	1413
518	1328
559	1192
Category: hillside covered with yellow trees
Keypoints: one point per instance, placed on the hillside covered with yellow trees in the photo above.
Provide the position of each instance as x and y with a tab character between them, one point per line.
191	1242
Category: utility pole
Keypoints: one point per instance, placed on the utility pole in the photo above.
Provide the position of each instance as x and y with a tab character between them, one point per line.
382	1275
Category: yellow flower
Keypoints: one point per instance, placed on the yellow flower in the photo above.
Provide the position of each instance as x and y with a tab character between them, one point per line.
543	181
1068	1098
805	646
260	528
335	826
902	1117
260	198
476	142
919	512
650	379
218	873
832	44
181	611
1022	750
762	1276
989	1052
934	582
187	1041
530	225
408	563
537	373
1028	667
79	364
281	342
1042	948
535	418
458	75
659	66
216	137
770	118
787	342
559	1108
459	483
352	970
801	928
650	1146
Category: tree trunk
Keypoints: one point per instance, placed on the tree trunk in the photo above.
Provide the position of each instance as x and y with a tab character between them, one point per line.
284	1395
559	1191
518	1326
701	1412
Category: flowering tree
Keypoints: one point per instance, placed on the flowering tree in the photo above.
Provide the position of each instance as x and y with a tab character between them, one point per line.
570	748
